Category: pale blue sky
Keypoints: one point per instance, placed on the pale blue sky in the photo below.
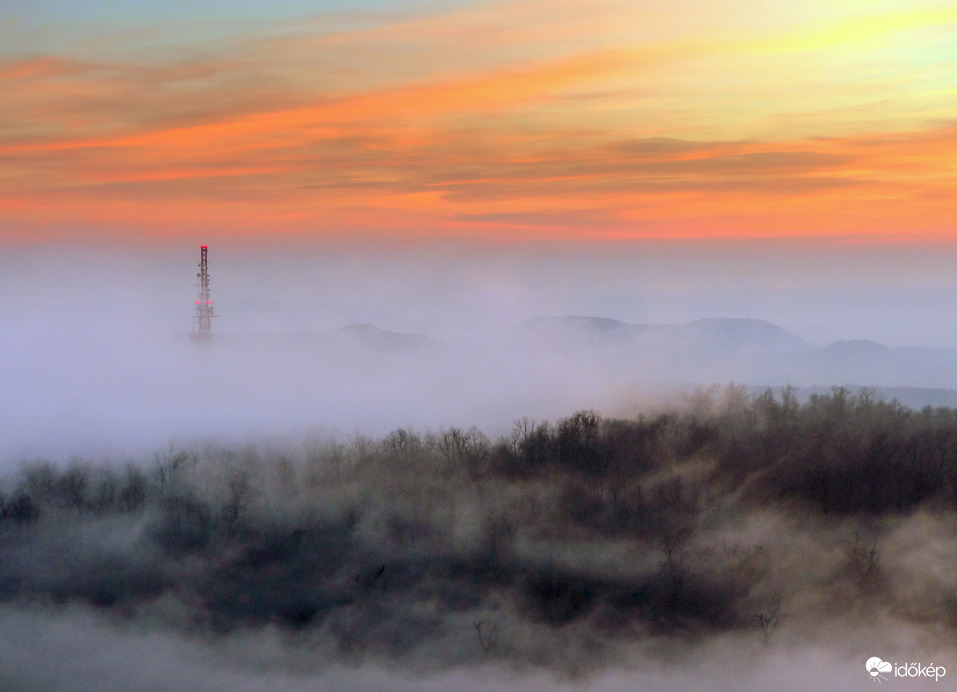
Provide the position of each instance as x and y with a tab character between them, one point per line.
130	12
30	27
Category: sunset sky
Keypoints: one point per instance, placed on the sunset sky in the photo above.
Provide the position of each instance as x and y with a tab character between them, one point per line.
574	120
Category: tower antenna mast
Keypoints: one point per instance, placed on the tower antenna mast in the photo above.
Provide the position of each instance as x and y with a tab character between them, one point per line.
204	306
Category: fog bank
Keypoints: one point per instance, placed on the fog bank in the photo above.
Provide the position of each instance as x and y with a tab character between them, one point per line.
97	360
95	655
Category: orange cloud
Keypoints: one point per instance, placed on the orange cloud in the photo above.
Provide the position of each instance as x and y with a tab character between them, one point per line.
598	128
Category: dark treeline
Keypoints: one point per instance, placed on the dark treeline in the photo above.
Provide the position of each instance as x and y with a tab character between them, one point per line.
458	547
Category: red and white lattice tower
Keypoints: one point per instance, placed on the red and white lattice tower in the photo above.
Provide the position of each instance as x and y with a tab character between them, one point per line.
204	306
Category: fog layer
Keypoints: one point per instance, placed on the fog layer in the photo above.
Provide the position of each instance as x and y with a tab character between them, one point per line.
97	359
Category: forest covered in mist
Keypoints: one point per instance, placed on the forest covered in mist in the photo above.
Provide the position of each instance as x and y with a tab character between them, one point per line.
556	546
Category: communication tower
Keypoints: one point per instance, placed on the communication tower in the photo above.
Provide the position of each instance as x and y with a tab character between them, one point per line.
204	306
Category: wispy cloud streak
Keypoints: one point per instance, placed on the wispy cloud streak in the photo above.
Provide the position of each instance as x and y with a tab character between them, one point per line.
833	122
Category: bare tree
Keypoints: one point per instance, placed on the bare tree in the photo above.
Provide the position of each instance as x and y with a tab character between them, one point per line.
133	493
239	494
487	636
465	448
863	561
673	544
768	620
170	466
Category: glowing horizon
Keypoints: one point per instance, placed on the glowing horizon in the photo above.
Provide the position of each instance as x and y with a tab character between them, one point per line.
574	121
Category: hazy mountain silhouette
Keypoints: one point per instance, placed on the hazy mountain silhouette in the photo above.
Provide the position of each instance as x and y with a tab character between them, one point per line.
753	352
719	335
750	351
729	335
857	349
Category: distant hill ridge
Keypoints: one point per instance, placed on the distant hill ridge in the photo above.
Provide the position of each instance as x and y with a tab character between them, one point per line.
721	333
589	350
856	348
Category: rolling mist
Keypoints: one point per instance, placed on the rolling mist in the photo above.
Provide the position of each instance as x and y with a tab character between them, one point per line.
448	467
97	357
